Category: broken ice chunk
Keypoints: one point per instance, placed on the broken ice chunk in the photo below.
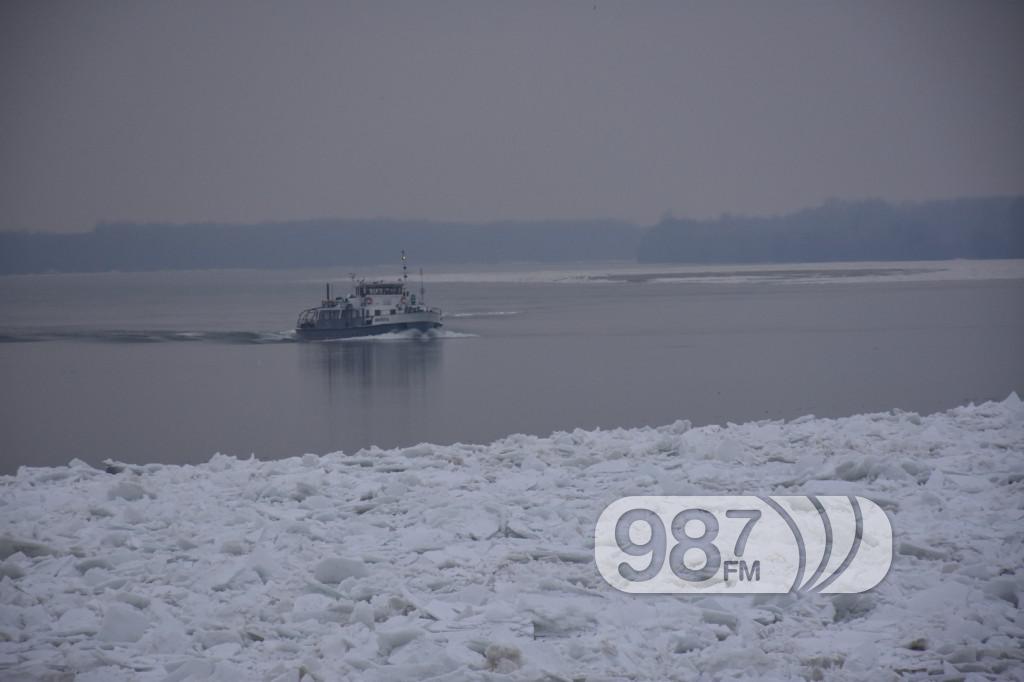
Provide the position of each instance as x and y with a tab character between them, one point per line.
333	570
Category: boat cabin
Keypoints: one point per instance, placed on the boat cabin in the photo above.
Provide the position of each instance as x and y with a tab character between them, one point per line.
380	289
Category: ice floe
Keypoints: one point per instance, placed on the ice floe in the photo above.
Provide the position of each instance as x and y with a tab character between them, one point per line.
476	561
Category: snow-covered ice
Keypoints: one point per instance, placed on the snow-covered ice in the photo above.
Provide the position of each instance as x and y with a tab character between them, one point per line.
476	561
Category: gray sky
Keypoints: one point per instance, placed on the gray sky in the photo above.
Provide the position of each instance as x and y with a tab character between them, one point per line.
191	111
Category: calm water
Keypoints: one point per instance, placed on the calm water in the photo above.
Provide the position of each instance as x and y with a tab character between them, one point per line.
173	367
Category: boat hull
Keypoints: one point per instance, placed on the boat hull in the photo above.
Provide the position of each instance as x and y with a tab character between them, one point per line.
313	334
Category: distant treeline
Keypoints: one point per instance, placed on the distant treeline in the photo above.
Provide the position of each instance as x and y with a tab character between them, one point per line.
846	231
836	231
122	246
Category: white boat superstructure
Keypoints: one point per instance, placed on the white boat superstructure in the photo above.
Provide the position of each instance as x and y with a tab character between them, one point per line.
376	307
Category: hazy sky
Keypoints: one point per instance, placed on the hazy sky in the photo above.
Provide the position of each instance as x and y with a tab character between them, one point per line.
224	111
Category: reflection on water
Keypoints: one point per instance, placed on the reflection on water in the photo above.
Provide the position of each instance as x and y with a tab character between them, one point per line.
372	364
371	391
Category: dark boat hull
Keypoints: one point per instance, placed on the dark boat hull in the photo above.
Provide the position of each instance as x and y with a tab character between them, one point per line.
313	334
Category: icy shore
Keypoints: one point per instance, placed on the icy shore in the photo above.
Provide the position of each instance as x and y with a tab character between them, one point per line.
476	561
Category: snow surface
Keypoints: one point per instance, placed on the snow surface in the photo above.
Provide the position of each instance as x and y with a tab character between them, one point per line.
476	561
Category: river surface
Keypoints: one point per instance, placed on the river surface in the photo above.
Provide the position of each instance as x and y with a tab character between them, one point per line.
176	366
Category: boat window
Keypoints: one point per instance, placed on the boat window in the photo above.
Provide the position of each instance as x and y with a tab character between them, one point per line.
376	313
392	311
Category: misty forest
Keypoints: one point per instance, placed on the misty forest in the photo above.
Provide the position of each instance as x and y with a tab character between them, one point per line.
869	230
